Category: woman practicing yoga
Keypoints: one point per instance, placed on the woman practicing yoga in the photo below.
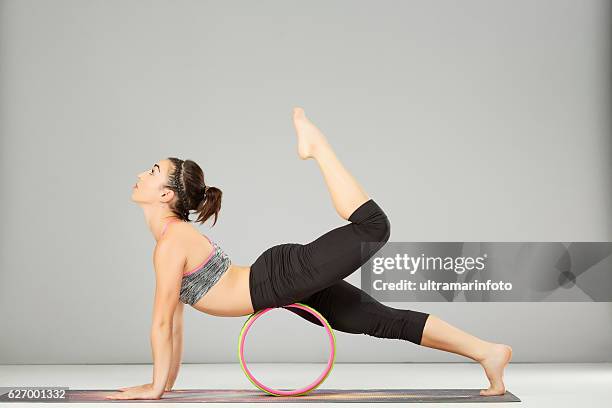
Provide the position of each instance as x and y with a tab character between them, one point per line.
191	269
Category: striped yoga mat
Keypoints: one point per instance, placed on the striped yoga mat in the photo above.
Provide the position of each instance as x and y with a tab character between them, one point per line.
317	395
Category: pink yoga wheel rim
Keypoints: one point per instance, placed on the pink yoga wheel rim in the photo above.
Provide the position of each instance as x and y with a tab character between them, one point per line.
299	391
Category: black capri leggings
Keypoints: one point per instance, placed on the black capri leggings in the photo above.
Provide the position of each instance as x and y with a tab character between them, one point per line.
313	274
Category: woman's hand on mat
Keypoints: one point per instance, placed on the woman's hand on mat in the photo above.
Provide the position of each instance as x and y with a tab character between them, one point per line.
168	387
136	387
145	391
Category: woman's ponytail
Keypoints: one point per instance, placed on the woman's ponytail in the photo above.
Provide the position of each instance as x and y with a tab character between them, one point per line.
210	204
187	180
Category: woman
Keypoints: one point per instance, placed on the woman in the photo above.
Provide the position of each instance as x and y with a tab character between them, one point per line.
191	269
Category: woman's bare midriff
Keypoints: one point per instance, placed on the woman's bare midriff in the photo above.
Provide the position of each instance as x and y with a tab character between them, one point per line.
230	296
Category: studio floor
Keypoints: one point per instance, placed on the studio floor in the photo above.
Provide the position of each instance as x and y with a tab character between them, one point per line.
537	385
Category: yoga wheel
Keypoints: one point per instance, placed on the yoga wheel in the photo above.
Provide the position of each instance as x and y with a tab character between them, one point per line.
299	391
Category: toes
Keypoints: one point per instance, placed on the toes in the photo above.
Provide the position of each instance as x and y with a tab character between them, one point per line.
298	112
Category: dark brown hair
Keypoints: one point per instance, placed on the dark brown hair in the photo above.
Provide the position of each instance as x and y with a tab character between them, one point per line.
186	179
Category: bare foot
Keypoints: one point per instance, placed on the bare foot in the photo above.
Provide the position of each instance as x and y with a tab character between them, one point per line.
494	363
310	138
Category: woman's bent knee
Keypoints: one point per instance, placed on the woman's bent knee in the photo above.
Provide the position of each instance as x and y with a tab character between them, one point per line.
373	221
380	230
385	230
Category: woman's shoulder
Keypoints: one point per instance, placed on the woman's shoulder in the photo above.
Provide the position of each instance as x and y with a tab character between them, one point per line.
186	234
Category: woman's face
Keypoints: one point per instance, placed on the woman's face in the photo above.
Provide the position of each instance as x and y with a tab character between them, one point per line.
150	184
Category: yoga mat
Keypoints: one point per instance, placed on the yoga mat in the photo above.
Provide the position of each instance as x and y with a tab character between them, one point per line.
318	395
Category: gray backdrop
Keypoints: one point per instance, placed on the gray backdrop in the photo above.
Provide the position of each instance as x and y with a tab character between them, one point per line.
465	121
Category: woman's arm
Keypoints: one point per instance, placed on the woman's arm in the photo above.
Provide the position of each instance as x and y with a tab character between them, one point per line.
177	351
177	346
169	260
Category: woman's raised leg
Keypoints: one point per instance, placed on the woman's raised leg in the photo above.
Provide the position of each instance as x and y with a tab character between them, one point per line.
347	195
341	251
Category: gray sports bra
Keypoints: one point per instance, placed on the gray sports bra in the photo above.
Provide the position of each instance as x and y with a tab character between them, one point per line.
198	281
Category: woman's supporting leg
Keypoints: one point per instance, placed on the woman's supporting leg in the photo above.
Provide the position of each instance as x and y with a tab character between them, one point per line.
351	310
493	357
347	195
